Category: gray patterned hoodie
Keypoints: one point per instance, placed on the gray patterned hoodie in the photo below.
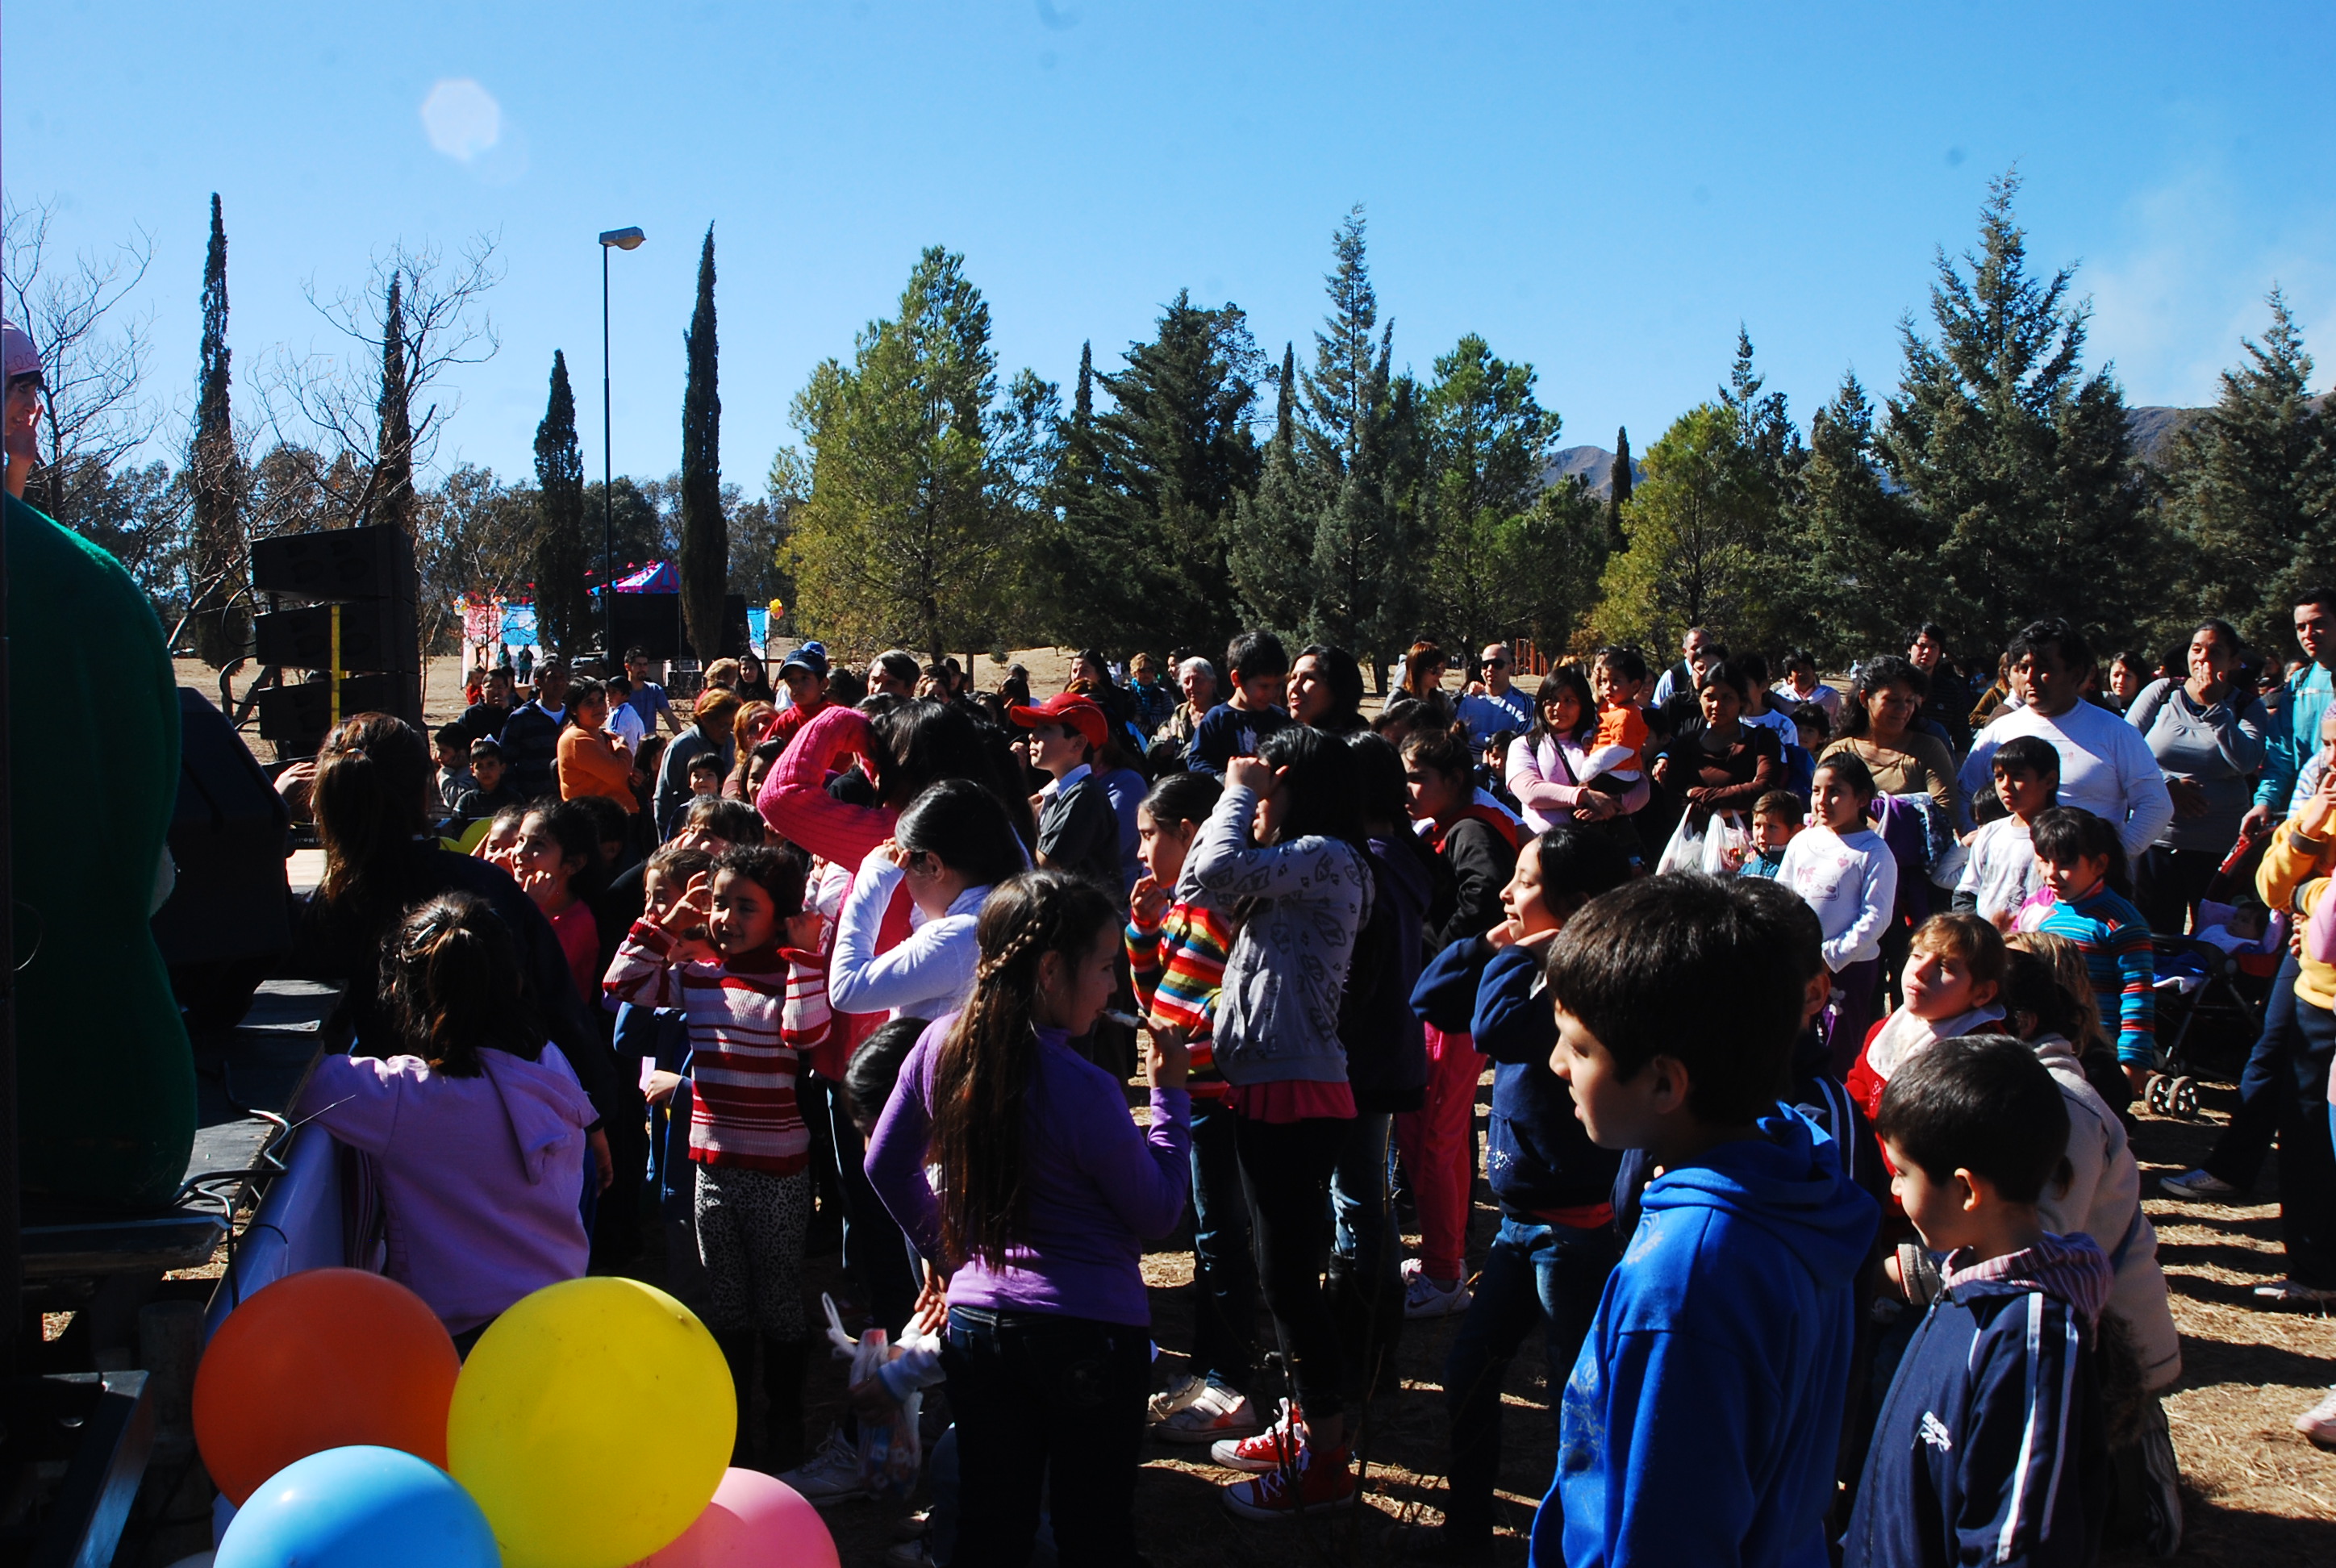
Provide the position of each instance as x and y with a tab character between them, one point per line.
1278	1013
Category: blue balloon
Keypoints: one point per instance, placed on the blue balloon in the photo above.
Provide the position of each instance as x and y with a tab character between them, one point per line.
359	1507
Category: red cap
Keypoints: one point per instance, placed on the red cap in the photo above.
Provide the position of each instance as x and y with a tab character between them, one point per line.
1070	709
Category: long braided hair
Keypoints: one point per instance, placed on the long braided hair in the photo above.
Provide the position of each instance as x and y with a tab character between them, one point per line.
983	1070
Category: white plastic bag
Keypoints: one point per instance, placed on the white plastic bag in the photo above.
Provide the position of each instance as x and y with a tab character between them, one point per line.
1684	852
1727	844
890	1451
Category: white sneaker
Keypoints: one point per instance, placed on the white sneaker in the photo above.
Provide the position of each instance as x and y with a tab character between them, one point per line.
829	1476
1210	1414
1174	1398
2199	1186
1426	1297
2319	1423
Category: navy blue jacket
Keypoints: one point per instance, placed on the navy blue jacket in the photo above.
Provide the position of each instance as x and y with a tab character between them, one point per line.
1387	1050
1226	732
1537	1153
1988	1448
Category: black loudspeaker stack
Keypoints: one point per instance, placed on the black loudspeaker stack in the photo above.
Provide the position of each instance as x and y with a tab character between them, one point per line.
652	622
363	578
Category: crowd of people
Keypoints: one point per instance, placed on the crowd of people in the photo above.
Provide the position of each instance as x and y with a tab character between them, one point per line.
1813	1013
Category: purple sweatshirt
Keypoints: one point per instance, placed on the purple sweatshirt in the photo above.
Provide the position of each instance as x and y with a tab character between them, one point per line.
1098	1186
480	1177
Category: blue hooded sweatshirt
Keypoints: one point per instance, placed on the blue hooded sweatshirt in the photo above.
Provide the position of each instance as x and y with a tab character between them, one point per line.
1702	1422
1989	1447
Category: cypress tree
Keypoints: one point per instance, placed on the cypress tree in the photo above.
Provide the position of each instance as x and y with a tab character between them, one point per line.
393	478
1618	488
220	621
563	607
1271	551
705	532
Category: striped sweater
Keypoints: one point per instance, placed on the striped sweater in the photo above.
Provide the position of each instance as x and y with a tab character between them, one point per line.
1177	967
749	1026
2114	941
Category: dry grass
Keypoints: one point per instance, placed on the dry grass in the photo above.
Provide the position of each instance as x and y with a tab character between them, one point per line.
2258	1494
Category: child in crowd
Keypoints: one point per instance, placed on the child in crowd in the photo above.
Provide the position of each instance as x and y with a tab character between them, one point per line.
1260	667
1988	1446
1777	818
1618	678
2084	866
1078	832
1953	980
1550	1258
476	1121
948	848
1287	841
1810	733
1176	946
2002	874
742	986
1702	1419
1479	847
705	774
557	863
1045	1193
490	792
499	847
1840	865
455	780
657	1039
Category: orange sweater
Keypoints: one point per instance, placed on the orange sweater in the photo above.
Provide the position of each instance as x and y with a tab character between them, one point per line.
591	764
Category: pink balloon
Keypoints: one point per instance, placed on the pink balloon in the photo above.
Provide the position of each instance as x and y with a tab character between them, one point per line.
756	1521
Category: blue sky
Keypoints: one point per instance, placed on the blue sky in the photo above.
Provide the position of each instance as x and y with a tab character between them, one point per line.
1604	190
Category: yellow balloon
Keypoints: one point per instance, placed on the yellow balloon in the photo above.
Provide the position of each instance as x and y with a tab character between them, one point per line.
592	1423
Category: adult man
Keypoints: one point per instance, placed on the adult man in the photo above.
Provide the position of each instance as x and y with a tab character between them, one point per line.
894	673
1196	678
2106	766
484	720
1682	676
1500	706
531	737
2294	733
1949	702
648	699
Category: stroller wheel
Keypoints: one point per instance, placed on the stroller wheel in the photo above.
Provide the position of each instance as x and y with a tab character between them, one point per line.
2183	1097
2154	1094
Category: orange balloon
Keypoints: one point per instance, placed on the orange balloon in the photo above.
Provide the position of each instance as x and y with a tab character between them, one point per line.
325	1358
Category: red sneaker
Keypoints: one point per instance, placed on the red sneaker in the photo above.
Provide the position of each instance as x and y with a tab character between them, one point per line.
1319	1479
1271	1449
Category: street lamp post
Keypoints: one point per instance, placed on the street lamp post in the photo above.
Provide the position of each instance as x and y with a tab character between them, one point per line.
610	239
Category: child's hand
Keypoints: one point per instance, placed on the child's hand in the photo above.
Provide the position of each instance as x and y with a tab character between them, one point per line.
1168	1061
1591	806
931	1313
1147	902
1249	772
891	851
694	908
660	1088
597	1140
802	931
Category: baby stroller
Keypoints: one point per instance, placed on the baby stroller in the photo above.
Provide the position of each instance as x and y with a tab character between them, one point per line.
2211	991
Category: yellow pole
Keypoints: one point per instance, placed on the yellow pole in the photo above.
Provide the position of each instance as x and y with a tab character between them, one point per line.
333	675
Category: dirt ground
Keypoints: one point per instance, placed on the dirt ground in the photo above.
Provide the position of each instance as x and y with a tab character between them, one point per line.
2257	1494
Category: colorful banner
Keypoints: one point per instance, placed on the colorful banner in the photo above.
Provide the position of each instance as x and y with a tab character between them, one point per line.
518	625
483	619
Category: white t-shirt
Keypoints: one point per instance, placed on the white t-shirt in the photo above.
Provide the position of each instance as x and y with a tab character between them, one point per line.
625	725
2001	873
2106	768
1852	882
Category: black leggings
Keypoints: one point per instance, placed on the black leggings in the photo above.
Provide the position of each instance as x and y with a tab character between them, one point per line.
1285	1170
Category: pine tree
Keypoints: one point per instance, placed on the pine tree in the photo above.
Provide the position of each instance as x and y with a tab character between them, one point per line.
2252	487
1488	440
1339	390
563	610
393	478
219	620
704	531
1852	576
1271	548
2019	464
1618	488
1694	525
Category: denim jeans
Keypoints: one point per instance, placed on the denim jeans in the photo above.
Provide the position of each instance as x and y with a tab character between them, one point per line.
1224	1268
2284	1091
1535	1273
940	1524
1045	1403
1363	1218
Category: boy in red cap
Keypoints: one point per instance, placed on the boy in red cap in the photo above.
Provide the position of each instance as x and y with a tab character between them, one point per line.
1077	829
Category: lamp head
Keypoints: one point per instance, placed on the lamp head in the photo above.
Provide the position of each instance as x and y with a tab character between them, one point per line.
623	239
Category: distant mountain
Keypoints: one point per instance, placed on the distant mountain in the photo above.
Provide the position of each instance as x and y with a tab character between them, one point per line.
1595	465
2152	431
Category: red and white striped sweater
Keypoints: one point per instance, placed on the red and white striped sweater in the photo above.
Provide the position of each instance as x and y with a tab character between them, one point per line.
748	1028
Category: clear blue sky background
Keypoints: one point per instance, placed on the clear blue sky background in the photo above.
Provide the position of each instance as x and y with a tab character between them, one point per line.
1604	190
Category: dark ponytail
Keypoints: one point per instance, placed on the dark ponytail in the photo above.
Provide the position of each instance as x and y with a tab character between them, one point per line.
983	1067
449	978
1184	798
